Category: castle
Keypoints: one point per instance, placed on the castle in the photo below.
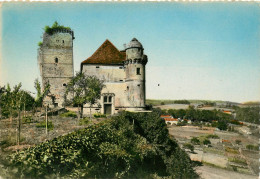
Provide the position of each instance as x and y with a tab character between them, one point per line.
123	72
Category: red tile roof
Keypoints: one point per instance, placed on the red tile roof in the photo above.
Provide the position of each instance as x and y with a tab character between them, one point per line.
170	119
107	53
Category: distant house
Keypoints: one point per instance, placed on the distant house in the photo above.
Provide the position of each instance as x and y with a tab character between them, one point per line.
169	119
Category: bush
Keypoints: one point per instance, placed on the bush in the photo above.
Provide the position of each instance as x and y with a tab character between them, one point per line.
97	115
206	142
238	142
40	44
27	119
237	160
252	147
69	114
212	136
195	141
188	146
42	124
55	27
84	121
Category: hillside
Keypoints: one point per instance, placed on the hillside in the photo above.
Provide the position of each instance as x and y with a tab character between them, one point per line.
129	146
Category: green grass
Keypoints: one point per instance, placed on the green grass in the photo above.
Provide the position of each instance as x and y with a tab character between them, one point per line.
98	115
42	124
237	160
69	114
84	121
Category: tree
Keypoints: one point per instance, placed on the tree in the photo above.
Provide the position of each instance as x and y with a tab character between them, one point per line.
41	94
84	89
195	141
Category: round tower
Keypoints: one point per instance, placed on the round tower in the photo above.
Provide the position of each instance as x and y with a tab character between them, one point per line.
135	74
55	59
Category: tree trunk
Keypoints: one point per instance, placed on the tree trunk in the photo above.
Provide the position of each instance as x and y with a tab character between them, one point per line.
78	112
90	111
81	111
46	117
19	128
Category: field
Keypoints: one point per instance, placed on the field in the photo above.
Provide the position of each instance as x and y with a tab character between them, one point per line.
220	159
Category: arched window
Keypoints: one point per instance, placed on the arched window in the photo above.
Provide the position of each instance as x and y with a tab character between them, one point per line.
56	60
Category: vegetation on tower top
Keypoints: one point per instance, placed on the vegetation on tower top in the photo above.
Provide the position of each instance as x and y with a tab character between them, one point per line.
55	27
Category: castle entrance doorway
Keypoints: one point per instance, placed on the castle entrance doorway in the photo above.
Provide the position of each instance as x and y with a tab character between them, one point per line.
107	108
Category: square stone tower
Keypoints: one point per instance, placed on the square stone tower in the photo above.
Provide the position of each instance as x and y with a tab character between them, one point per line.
55	60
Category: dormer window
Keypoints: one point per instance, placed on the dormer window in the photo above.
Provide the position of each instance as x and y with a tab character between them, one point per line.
56	60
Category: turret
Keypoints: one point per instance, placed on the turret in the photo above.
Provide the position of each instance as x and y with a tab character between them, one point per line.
135	73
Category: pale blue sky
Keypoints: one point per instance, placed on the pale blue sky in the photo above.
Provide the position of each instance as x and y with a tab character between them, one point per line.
195	50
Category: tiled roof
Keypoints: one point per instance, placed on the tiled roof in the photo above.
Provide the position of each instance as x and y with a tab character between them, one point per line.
107	53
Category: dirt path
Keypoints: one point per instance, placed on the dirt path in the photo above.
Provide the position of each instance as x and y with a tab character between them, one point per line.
208	172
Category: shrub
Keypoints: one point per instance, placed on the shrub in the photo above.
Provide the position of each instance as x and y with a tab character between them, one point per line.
40	43
27	119
212	136
231	150
206	142
238	160
69	114
97	115
84	121
195	141
55	26
238	142
162	103
188	146
252	147
42	124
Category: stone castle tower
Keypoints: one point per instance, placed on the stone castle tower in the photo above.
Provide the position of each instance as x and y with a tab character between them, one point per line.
135	73
55	60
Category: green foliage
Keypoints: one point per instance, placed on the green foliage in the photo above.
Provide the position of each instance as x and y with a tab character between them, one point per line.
85	121
231	150
98	115
212	136
42	124
237	160
27	119
86	89
206	142
222	125
188	146
181	102
195	141
252	147
55	27
248	114
127	146
41	94
69	114
238	142
40	43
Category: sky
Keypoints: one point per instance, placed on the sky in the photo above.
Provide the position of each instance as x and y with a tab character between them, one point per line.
208	51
